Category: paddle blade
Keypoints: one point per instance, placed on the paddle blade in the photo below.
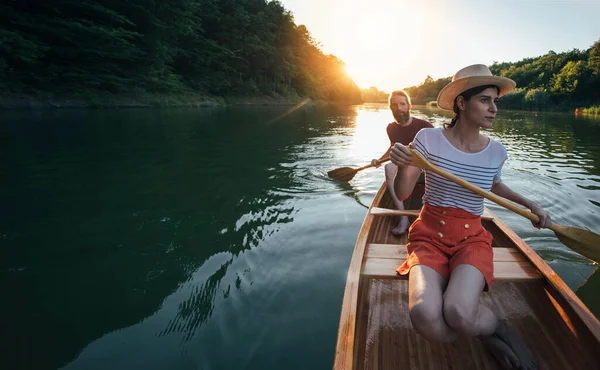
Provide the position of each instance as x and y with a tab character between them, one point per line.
580	240
343	173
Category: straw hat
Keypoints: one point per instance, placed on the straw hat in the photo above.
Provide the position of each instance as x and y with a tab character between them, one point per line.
468	78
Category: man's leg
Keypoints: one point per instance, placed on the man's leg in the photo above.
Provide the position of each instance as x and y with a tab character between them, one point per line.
390	174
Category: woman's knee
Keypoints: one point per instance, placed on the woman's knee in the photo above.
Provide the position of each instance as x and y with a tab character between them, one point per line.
428	321
461	317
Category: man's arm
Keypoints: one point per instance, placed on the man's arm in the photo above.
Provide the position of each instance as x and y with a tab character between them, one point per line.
405	180
377	162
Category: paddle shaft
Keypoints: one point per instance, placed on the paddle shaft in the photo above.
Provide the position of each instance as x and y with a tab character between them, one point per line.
371	165
422	162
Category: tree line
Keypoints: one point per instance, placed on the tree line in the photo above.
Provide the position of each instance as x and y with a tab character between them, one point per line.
212	47
554	81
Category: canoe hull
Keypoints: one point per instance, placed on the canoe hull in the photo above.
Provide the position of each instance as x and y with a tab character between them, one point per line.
375	330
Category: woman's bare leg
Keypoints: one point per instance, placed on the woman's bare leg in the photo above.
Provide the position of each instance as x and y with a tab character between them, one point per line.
425	304
390	174
464	313
510	337
462	310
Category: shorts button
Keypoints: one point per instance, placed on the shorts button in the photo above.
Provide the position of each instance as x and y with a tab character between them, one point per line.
440	235
466	237
443	212
466	226
442	222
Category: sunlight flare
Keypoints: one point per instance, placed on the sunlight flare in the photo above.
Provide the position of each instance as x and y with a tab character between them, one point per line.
381	49
370	139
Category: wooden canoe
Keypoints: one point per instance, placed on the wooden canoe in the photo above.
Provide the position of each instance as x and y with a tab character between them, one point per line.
375	331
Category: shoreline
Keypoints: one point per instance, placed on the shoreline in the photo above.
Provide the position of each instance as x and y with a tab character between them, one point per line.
143	100
21	102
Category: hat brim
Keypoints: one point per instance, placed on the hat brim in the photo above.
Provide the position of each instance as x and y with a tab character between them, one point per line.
447	95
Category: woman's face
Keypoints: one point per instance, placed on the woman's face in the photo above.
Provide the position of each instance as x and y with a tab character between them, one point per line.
481	108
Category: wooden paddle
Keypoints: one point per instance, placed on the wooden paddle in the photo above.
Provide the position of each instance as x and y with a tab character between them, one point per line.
347	173
580	240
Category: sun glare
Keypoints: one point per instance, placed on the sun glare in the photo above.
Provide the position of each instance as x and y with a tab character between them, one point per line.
370	139
373	33
381	48
373	36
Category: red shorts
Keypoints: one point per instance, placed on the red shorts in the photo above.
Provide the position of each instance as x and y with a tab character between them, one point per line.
445	237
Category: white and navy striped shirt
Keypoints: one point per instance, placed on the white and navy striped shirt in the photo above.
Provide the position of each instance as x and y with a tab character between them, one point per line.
482	169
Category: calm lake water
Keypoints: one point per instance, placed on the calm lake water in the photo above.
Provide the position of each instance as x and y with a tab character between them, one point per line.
212	238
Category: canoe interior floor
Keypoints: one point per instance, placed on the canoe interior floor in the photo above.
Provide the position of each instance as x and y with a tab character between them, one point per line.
386	339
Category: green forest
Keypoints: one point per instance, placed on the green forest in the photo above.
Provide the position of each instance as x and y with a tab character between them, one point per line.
552	82
225	49
213	48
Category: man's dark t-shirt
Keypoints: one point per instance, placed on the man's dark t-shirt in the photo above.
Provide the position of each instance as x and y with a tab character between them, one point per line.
405	135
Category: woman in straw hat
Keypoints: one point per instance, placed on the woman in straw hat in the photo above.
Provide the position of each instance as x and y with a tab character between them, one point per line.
450	258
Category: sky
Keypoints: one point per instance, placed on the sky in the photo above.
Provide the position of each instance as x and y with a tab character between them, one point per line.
394	44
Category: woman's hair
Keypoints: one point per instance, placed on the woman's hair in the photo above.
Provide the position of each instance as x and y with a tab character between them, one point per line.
466	95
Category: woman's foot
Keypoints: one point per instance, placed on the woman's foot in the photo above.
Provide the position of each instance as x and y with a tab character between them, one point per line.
526	359
402	226
501	352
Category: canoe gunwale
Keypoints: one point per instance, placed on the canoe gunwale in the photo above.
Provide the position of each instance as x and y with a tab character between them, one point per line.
551	278
344	352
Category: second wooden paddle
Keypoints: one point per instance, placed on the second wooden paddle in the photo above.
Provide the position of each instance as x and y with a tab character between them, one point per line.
347	173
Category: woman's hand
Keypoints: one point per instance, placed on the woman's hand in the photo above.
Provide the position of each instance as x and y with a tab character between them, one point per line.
401	154
545	220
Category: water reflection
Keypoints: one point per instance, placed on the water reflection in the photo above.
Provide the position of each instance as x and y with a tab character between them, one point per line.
212	238
352	191
195	310
142	198
560	157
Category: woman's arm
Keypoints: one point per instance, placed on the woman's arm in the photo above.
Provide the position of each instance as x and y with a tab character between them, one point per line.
504	191
407	175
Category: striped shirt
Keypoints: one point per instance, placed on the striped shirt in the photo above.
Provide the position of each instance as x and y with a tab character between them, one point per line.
482	169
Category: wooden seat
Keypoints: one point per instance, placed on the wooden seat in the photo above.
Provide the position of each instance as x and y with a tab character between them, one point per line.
382	260
377	211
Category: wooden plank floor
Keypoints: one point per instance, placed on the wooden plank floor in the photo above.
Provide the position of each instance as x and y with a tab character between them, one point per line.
387	340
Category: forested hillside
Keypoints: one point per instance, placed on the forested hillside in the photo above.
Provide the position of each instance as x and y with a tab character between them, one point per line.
555	81
213	47
374	95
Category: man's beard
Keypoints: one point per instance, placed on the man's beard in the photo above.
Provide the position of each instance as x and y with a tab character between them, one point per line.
401	117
